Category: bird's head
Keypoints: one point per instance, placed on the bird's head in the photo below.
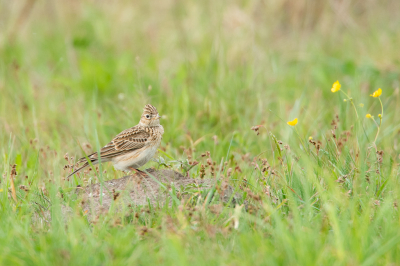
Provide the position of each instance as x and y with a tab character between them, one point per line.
150	116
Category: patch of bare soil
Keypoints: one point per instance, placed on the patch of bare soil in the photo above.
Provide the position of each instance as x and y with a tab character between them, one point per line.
138	190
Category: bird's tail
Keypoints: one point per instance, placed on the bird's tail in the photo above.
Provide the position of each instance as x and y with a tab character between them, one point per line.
86	164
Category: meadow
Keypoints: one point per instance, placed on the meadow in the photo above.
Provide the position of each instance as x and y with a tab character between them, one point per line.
226	77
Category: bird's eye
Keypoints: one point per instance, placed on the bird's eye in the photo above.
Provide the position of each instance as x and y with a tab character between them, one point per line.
147	116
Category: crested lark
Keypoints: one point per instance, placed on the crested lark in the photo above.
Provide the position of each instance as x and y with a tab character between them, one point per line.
133	147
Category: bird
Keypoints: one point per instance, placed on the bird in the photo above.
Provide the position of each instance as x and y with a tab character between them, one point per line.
133	147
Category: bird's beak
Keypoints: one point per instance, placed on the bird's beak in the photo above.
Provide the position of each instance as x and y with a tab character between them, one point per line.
158	116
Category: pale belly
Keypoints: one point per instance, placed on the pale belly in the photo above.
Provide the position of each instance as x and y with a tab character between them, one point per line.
134	159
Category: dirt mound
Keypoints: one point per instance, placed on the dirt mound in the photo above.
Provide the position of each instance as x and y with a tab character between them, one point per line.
137	190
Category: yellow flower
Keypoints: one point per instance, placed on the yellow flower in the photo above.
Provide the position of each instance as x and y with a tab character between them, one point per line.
369	116
310	138
380	116
345	100
293	122
336	86
361	105
376	93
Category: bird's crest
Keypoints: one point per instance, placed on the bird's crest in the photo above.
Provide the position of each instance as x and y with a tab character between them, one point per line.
150	109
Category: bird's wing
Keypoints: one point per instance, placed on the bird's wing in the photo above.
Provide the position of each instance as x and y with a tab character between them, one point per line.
127	141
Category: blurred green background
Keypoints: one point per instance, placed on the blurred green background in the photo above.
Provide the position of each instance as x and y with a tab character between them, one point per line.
79	72
211	68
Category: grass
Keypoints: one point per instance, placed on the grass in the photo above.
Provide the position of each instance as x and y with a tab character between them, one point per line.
73	75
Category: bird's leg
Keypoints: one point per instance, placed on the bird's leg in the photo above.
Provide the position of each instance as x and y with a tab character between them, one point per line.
139	172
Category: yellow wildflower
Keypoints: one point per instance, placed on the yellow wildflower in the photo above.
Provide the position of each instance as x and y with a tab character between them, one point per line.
361	105
345	100
293	122
336	86
380	116
310	138
369	116
376	93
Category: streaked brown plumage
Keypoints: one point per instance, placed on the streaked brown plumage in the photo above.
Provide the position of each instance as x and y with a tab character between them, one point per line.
133	147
